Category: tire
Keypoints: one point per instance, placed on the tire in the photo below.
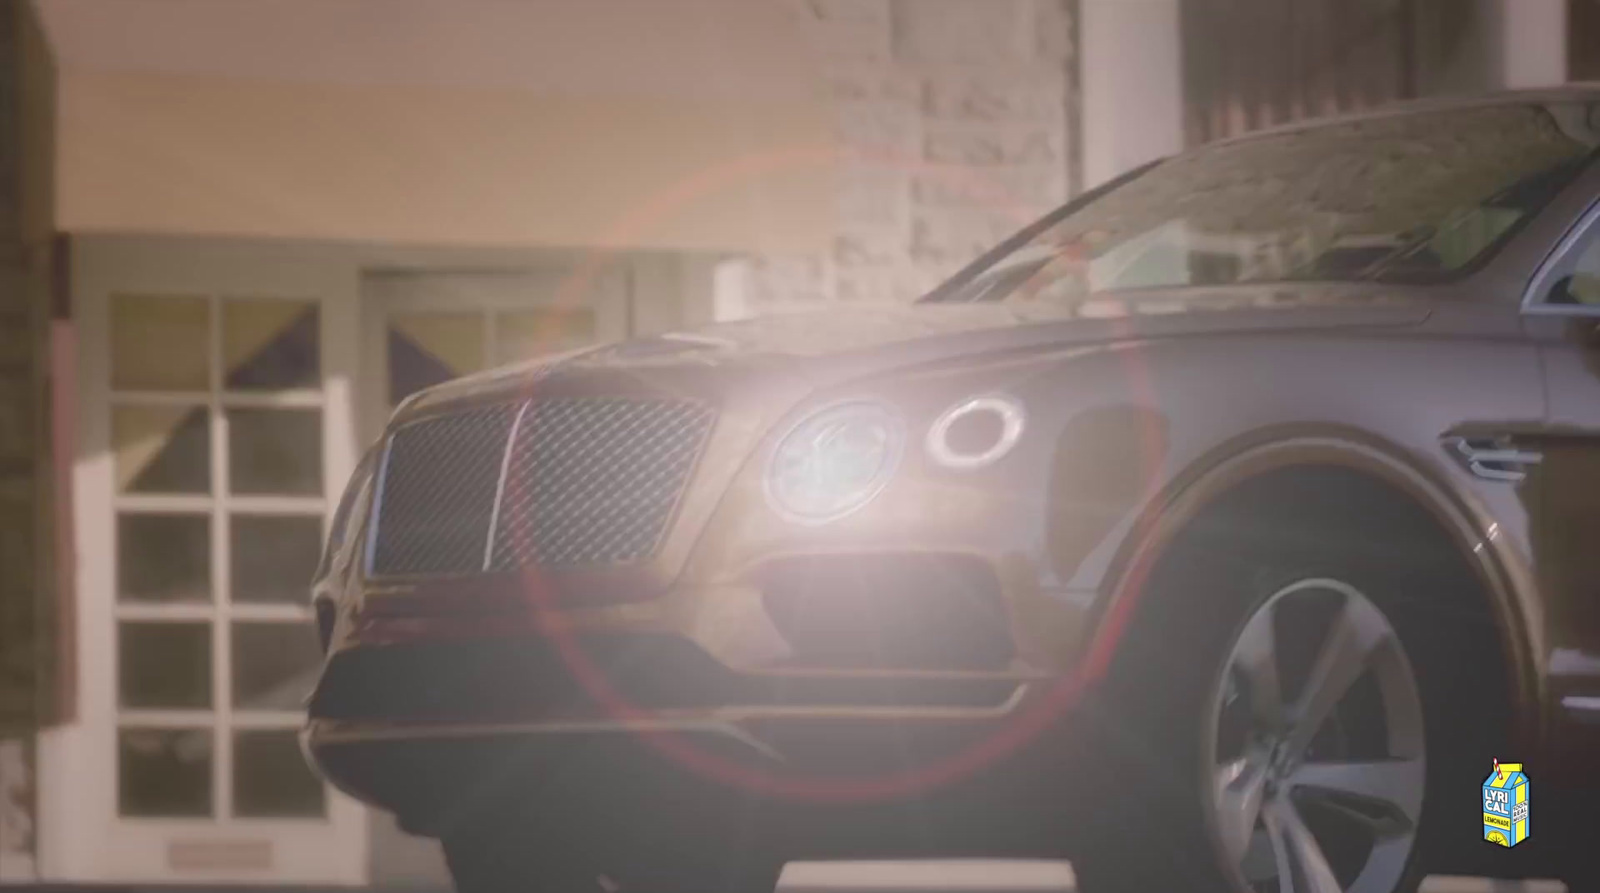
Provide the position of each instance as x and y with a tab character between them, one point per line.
1161	717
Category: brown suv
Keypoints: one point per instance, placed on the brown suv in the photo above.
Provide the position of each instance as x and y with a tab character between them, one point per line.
1219	531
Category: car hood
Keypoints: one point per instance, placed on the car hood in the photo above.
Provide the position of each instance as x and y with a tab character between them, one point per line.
846	342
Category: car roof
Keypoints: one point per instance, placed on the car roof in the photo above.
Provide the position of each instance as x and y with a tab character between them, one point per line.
1575	92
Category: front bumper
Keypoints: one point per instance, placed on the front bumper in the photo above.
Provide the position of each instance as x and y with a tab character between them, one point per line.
425	687
812	789
674	732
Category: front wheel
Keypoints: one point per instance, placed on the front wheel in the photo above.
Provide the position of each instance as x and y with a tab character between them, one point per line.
1317	786
1278	736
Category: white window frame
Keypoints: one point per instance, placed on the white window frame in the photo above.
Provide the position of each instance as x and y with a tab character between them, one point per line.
220	506
81	835
485	293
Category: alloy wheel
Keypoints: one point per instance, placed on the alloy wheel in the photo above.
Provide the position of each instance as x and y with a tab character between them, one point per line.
1316	747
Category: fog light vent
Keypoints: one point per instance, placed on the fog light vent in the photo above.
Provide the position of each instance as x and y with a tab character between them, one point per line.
891	612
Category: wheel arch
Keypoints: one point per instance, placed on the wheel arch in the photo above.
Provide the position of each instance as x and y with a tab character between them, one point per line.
1505	581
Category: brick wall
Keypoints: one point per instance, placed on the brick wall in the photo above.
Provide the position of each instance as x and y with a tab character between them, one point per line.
26	512
17	456
956	126
16	475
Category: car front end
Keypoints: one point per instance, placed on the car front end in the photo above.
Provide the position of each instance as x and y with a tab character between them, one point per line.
710	561
934	578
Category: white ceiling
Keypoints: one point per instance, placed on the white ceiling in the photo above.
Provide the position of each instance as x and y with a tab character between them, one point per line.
713	48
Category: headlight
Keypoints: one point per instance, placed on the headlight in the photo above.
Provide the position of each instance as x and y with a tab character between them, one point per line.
834	462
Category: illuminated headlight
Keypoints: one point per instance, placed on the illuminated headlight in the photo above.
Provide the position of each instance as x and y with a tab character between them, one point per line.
976	432
834	462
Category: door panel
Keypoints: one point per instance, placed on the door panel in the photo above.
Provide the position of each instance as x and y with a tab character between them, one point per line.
1570	514
1565	321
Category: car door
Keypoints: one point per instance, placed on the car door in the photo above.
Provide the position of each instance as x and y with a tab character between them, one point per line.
1562	313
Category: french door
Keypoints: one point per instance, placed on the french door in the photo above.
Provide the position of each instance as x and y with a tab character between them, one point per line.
424	328
215	431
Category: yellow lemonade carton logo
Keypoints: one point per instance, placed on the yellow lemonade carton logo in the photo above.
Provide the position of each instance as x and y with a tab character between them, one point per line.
1505	805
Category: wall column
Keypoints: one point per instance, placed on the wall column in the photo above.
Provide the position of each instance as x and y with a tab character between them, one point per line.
1528	43
1132	84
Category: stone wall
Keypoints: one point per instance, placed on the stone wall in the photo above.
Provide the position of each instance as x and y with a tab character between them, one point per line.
957	126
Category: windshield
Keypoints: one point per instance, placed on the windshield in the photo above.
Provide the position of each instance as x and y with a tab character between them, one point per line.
1413	198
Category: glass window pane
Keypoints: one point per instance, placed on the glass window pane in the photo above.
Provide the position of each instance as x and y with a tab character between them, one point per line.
164	558
271	778
275	451
165	665
274	558
1409	199
164	772
159	343
428	348
270	345
1583	285
526	334
274	665
162	449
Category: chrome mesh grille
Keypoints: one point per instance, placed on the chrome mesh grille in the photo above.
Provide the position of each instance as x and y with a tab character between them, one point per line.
589	482
593	481
438	493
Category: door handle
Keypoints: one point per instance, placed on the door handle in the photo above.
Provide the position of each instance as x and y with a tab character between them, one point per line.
1493	458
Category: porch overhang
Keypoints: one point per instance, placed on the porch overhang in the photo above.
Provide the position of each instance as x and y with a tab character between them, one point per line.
176	118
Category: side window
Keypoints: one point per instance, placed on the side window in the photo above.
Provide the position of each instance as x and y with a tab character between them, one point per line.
1583	283
1574	279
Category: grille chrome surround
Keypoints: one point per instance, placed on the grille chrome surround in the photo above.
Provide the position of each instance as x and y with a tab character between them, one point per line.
580	483
436	497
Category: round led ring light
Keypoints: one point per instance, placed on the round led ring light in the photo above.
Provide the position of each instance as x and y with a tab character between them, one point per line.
1009	416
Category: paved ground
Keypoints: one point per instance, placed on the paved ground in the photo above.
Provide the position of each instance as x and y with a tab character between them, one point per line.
1022	877
967	876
